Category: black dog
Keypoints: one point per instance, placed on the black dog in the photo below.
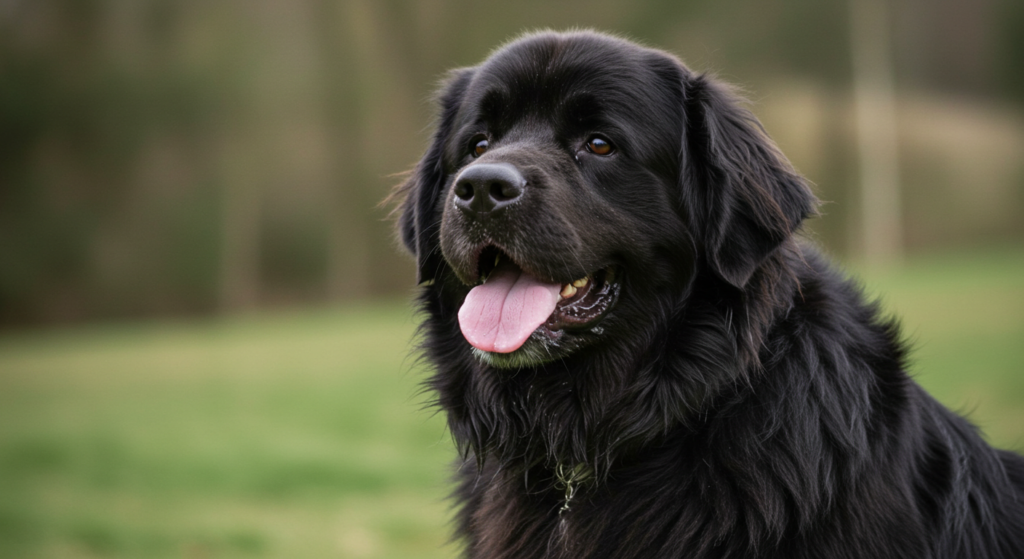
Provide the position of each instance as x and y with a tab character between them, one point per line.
635	355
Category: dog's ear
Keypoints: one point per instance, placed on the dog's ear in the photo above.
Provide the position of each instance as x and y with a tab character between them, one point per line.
743	198
418	224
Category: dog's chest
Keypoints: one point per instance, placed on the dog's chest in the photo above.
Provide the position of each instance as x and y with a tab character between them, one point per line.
568	517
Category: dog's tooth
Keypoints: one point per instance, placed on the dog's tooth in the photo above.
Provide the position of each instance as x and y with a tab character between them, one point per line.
497	258
580	282
568	291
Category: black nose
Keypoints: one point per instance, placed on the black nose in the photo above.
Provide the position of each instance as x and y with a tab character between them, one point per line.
488	187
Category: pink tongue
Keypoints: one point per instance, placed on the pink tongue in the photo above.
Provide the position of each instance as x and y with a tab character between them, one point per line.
499	315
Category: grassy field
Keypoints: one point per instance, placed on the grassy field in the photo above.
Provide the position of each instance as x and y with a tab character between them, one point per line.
302	435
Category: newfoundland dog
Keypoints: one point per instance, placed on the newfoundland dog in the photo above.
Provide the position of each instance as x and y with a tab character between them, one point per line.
638	358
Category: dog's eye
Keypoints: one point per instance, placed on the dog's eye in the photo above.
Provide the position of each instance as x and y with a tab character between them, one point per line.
599	146
478	145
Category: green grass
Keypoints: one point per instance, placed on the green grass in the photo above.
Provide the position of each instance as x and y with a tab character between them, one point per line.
286	436
301	435
964	316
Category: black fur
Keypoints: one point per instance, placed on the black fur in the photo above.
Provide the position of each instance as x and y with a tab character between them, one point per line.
741	399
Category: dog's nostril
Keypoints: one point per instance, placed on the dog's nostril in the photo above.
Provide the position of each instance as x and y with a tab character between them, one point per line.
464	190
504	191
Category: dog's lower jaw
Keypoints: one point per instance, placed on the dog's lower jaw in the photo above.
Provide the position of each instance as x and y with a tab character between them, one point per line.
530	354
543	346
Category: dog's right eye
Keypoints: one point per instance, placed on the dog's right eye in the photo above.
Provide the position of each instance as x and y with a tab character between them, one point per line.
478	145
599	146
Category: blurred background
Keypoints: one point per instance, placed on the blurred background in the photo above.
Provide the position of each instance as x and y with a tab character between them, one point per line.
204	315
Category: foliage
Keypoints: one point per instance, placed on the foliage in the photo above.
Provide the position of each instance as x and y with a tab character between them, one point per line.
162	158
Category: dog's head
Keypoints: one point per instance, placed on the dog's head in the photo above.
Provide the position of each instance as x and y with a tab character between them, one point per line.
575	177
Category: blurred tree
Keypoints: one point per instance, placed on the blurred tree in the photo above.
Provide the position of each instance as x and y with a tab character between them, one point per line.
881	231
74	123
1010	38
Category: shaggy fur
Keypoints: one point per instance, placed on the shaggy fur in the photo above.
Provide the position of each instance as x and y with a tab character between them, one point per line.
740	399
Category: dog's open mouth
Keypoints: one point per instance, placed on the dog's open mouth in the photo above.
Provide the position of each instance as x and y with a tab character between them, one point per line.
501	313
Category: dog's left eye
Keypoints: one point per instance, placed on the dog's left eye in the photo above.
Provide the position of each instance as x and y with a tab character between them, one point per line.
599	146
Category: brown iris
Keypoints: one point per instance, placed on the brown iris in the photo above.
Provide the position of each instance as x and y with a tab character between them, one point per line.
480	146
599	146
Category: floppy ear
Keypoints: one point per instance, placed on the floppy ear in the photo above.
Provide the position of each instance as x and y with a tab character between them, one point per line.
744	198
419	225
